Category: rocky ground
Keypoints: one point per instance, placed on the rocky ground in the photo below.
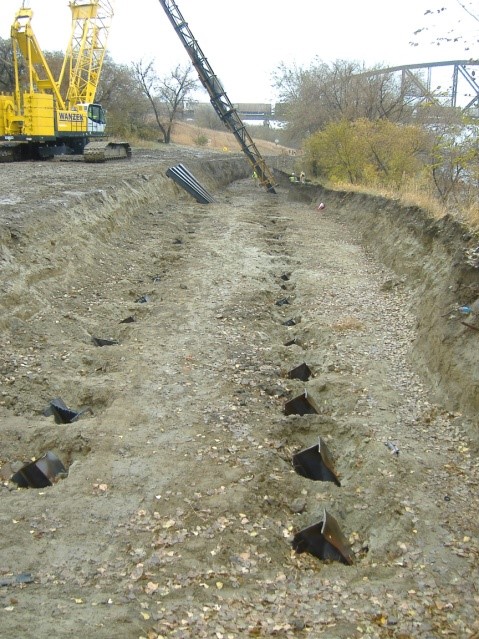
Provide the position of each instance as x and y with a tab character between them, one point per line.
179	505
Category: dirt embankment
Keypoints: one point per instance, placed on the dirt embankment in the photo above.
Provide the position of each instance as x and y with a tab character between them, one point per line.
180	503
439	260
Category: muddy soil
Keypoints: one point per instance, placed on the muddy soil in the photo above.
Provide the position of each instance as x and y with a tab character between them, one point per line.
179	503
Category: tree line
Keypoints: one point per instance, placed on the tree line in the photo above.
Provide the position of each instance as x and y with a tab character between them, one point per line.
353	125
361	128
138	101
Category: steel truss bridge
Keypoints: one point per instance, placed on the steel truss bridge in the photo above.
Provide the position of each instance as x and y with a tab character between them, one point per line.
447	84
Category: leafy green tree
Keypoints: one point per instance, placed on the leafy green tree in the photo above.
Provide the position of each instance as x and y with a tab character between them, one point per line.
334	154
395	151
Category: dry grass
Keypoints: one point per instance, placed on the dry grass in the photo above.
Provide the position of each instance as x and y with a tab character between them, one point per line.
470	215
418	194
188	134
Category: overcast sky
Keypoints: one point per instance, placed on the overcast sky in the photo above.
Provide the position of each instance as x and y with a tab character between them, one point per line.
245	41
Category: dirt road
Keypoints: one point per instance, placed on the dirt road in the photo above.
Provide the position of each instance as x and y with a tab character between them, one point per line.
180	503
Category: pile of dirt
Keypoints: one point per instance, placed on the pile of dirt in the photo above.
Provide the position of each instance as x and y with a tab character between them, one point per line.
173	333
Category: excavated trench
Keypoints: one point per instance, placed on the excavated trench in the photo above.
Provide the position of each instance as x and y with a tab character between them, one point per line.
439	261
241	373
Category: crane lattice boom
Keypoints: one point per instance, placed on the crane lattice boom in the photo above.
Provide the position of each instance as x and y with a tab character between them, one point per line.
91	22
220	101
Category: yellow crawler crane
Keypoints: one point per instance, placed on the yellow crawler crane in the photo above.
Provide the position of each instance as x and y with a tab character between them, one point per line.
46	117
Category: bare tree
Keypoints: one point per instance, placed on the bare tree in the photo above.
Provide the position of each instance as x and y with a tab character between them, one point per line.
448	30
125	103
207	118
7	79
324	93
167	95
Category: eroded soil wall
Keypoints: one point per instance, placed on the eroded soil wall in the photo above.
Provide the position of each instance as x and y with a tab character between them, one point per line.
432	257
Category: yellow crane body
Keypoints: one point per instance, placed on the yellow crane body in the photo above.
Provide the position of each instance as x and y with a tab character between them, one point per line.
47	116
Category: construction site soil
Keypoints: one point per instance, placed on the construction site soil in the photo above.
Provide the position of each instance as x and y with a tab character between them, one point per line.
179	502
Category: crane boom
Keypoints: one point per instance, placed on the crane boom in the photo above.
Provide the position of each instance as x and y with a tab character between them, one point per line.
220	101
91	22
25	44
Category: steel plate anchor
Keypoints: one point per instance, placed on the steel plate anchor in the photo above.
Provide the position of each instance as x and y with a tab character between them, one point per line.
302	372
301	405
63	414
316	463
40	473
325	541
99	341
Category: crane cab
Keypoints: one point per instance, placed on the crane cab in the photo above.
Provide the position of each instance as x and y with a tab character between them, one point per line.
83	118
